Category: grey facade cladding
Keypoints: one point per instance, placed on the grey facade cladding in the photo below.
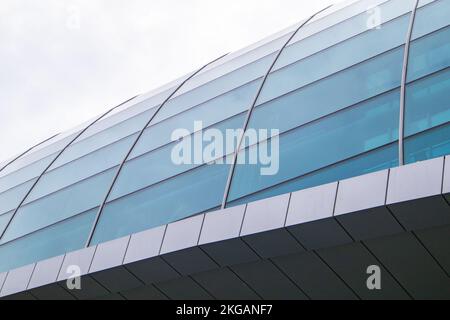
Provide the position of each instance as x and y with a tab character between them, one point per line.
336	237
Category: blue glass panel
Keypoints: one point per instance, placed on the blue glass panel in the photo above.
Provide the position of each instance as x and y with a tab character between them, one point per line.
104	138
9	200
215	88
336	58
4	219
158	165
69	235
25	174
81	168
331	94
193	192
431	17
359	129
427	103
348	28
379	159
58	206
43	153
210	112
428	145
429	54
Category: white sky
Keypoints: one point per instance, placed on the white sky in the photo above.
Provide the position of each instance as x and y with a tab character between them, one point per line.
63	62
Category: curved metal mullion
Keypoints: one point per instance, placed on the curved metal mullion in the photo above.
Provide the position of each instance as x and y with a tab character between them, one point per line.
401	127
253	105
53	161
25	152
119	169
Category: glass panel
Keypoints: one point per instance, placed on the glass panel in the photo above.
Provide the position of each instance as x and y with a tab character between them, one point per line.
379	159
339	136
158	165
215	88
336	58
429	54
332	16
4	219
331	94
67	236
210	112
428	145
427	103
34	158
236	60
369	20
194	192
431	17
104	138
135	107
81	169
59	206
9	200
25	174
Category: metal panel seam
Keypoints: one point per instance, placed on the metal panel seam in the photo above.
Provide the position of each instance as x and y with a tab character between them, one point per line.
54	160
250	110
109	190
25	152
401	148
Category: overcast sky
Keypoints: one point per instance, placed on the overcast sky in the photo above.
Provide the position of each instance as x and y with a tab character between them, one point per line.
63	62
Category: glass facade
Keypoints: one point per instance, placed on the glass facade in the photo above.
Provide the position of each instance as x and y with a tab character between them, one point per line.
331	86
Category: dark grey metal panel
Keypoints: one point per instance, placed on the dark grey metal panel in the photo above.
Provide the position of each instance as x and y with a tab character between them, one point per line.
90	289
437	242
183	289
51	292
273	243
153	270
144	293
314	277
268	281
117	279
320	234
190	261
230	252
412	265
20	296
351	261
223	284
